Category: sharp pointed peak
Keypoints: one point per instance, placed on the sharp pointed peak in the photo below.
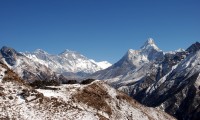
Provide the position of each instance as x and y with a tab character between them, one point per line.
150	41
150	44
180	50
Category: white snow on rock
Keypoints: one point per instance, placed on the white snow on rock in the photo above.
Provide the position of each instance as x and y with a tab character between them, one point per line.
93	101
67	61
134	65
104	64
187	67
149	44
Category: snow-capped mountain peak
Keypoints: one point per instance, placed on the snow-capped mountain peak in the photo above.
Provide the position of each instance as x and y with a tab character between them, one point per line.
68	63
132	60
38	51
150	44
72	54
149	51
150	41
180	50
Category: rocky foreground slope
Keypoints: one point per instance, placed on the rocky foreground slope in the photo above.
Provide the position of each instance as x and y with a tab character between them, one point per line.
93	101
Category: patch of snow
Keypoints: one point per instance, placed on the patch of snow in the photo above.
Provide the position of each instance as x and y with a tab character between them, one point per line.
180	50
104	64
150	44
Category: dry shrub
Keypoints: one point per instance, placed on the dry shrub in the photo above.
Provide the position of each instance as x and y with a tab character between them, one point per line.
87	81
25	93
50	88
5	118
2	93
12	76
1	88
44	83
94	96
55	102
3	65
69	82
121	96
10	97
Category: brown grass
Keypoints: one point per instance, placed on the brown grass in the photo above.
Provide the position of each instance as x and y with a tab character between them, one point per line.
2	93
95	96
131	101
122	96
12	76
1	88
5	118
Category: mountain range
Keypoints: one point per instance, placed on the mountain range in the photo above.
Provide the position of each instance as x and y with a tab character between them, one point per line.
167	81
40	65
68	63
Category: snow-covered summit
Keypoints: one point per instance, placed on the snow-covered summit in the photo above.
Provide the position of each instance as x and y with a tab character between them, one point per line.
150	44
148	52
69	54
68	62
132	60
40	51
180	50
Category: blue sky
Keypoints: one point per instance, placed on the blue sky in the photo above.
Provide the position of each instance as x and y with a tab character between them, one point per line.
98	29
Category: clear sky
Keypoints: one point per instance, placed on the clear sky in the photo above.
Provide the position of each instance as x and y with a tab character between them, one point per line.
98	29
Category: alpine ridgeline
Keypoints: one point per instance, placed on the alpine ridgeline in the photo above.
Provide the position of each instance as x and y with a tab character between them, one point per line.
169	81
42	66
131	62
68	63
27	69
